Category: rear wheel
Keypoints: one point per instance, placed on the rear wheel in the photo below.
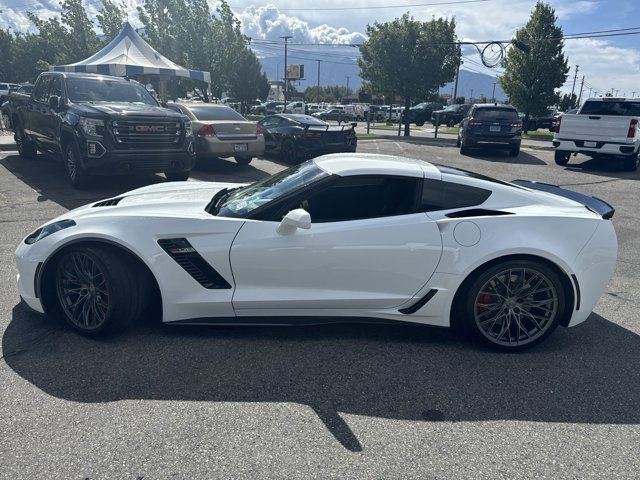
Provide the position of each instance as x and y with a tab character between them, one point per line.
561	157
177	176
513	305
288	151
419	124
76	173
630	164
96	291
23	144
464	149
514	151
243	160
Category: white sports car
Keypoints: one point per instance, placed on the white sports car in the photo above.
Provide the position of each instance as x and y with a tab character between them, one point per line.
341	237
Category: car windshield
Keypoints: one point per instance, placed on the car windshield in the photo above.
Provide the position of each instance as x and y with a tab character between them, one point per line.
496	114
305	119
210	112
606	107
97	90
241	202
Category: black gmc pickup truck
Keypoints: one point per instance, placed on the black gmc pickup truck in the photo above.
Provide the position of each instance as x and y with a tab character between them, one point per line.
101	125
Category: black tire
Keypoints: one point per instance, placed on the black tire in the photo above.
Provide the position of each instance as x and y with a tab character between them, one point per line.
469	311
114	295
419	124
25	148
177	176
458	142
451	123
288	151
561	157
76	173
630	163
514	151
243	160
464	149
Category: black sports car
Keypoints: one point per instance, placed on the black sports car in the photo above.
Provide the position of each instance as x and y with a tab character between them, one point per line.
295	137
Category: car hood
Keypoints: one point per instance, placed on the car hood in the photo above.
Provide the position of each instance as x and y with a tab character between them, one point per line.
133	109
169	199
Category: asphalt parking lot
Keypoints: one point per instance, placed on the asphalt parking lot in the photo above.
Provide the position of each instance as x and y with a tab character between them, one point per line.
340	401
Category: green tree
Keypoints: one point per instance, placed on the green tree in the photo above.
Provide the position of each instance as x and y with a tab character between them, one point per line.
7	49
328	94
567	101
111	18
531	79
409	58
247	80
83	40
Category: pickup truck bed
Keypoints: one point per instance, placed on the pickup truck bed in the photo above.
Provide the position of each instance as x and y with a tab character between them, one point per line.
605	128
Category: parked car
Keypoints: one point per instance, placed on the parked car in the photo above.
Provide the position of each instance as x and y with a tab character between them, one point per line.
357	111
294	137
220	131
556	118
335	114
102	125
296	107
604	128
266	108
451	115
543	121
5	107
421	113
6	89
491	124
340	237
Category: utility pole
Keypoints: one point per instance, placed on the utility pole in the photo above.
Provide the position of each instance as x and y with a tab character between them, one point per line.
581	87
286	80
493	95
318	86
347	84
590	92
455	87
471	95
575	77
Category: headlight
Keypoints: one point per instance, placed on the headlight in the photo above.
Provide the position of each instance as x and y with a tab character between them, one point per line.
48	230
188	129
92	126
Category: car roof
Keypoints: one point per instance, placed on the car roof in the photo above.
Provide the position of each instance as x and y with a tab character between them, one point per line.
201	104
494	105
346	164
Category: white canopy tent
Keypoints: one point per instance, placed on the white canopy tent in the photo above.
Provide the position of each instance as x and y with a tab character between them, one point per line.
129	55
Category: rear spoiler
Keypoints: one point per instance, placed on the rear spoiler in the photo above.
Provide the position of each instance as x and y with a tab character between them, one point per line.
326	129
594	204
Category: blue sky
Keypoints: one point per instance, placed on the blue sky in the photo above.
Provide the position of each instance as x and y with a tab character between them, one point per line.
611	62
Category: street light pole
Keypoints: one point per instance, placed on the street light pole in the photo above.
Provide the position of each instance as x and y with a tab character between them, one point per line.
347	84
455	86
286	80
493	95
318	95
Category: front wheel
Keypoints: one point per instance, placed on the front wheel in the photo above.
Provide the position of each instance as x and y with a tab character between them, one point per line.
76	173
96	291
177	176
513	305
561	157
243	160
23	144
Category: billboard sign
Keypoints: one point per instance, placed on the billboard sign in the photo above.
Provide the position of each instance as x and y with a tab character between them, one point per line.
295	72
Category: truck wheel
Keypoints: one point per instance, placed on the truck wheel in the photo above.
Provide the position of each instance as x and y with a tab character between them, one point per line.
451	123
25	147
419	124
561	157
243	160
77	175
630	164
177	176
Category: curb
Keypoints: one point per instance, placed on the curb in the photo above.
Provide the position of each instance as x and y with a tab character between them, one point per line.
439	141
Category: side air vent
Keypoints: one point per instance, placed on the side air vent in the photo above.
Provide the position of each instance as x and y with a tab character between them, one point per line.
190	260
108	203
420	303
477	212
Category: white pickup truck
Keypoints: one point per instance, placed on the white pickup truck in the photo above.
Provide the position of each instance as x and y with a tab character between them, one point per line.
602	128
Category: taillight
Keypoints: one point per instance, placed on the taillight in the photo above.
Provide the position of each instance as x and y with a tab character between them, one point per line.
556	127
312	134
206	131
474	122
632	128
259	129
516	124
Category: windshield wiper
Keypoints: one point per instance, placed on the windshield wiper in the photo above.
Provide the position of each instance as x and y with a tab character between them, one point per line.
218	198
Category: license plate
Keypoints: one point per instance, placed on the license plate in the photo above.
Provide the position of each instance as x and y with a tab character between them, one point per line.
590	144
240	147
494	128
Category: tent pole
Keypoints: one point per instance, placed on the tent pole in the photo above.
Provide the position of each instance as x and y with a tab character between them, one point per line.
163	89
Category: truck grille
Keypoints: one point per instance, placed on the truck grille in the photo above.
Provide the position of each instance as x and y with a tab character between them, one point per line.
152	135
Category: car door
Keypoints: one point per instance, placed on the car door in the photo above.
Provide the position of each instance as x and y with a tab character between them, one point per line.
369	247
51	119
37	111
271	132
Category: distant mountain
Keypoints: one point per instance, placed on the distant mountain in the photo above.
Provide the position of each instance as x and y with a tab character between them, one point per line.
336	74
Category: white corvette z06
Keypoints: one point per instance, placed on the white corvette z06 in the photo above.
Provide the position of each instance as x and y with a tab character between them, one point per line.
347	236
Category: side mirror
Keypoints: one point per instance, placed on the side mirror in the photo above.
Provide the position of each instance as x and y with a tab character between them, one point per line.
298	218
54	102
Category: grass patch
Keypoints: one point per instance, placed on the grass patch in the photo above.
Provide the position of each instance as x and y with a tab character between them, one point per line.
539	135
254	117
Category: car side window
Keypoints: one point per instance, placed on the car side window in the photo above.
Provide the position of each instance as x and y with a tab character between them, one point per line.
270	122
439	195
361	197
41	92
56	87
